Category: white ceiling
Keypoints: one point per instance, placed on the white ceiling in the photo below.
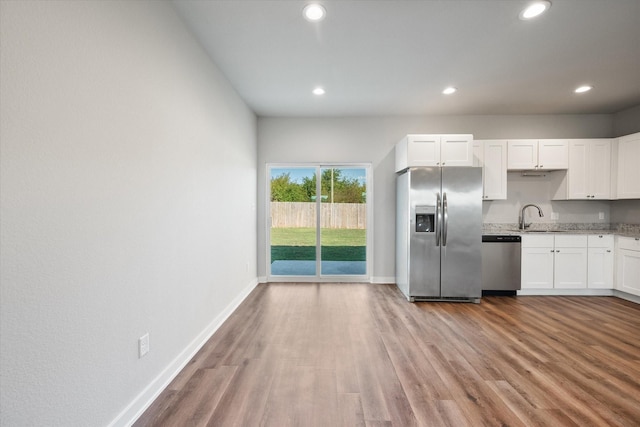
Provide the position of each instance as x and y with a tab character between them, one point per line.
395	57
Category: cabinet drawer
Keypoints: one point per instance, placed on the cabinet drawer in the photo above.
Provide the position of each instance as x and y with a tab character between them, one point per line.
600	241
630	243
571	241
538	241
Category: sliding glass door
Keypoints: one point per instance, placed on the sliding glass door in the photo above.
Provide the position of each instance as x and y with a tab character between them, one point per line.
315	237
293	216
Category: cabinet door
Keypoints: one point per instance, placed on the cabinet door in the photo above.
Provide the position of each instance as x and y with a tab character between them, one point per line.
578	173
495	170
600	169
478	157
600	270
628	167
553	154
570	268
522	154
537	268
456	150
423	150
628	278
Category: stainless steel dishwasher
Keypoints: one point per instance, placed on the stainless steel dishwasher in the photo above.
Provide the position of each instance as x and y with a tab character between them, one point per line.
501	264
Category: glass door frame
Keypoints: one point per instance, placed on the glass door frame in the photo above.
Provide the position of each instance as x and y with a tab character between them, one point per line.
319	277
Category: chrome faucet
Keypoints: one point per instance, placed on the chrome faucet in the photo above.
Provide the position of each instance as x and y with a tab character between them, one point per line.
522	223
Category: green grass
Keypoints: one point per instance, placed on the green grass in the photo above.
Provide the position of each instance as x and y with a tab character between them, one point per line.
299	244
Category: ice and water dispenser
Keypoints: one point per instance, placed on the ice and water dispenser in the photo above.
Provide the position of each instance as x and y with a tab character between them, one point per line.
425	219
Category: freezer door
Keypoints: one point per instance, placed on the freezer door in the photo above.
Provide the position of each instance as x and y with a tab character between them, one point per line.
424	231
461	259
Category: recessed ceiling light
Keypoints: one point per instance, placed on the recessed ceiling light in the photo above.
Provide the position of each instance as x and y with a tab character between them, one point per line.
314	12
583	89
449	90
319	91
534	9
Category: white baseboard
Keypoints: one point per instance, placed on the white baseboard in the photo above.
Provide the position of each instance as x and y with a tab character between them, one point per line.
566	292
626	296
383	280
140	404
376	280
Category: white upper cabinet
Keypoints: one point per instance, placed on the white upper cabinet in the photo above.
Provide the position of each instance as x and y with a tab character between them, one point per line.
629	167
538	154
456	150
522	154
589	174
434	150
492	156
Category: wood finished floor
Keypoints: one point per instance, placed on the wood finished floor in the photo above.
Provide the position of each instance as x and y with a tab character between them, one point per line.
361	355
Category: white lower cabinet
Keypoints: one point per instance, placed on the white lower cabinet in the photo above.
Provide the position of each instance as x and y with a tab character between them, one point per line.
554	261
569	261
628	264
537	265
600	258
570	266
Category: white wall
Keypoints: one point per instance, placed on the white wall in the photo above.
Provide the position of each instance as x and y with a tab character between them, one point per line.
372	139
128	188
626	122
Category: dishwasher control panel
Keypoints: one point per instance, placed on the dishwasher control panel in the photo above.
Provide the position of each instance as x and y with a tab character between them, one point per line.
501	238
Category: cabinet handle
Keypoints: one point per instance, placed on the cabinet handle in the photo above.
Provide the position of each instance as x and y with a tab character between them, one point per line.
608	250
442	163
558	251
541	166
552	250
600	236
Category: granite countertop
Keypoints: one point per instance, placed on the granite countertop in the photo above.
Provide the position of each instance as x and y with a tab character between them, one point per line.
626	230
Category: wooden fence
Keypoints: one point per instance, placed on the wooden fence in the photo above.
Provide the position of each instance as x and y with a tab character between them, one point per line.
332	215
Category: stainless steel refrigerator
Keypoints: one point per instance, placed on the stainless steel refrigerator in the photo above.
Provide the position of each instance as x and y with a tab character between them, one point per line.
439	233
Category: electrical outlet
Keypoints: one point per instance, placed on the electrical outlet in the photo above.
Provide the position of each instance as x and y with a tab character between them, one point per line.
600	215
143	345
555	215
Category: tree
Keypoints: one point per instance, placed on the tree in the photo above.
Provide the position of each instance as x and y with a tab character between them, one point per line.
345	190
284	190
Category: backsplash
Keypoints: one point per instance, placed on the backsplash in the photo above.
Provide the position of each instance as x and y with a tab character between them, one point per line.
565	214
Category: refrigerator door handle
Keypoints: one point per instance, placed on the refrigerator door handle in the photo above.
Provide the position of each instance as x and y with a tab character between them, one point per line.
438	219
445	215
